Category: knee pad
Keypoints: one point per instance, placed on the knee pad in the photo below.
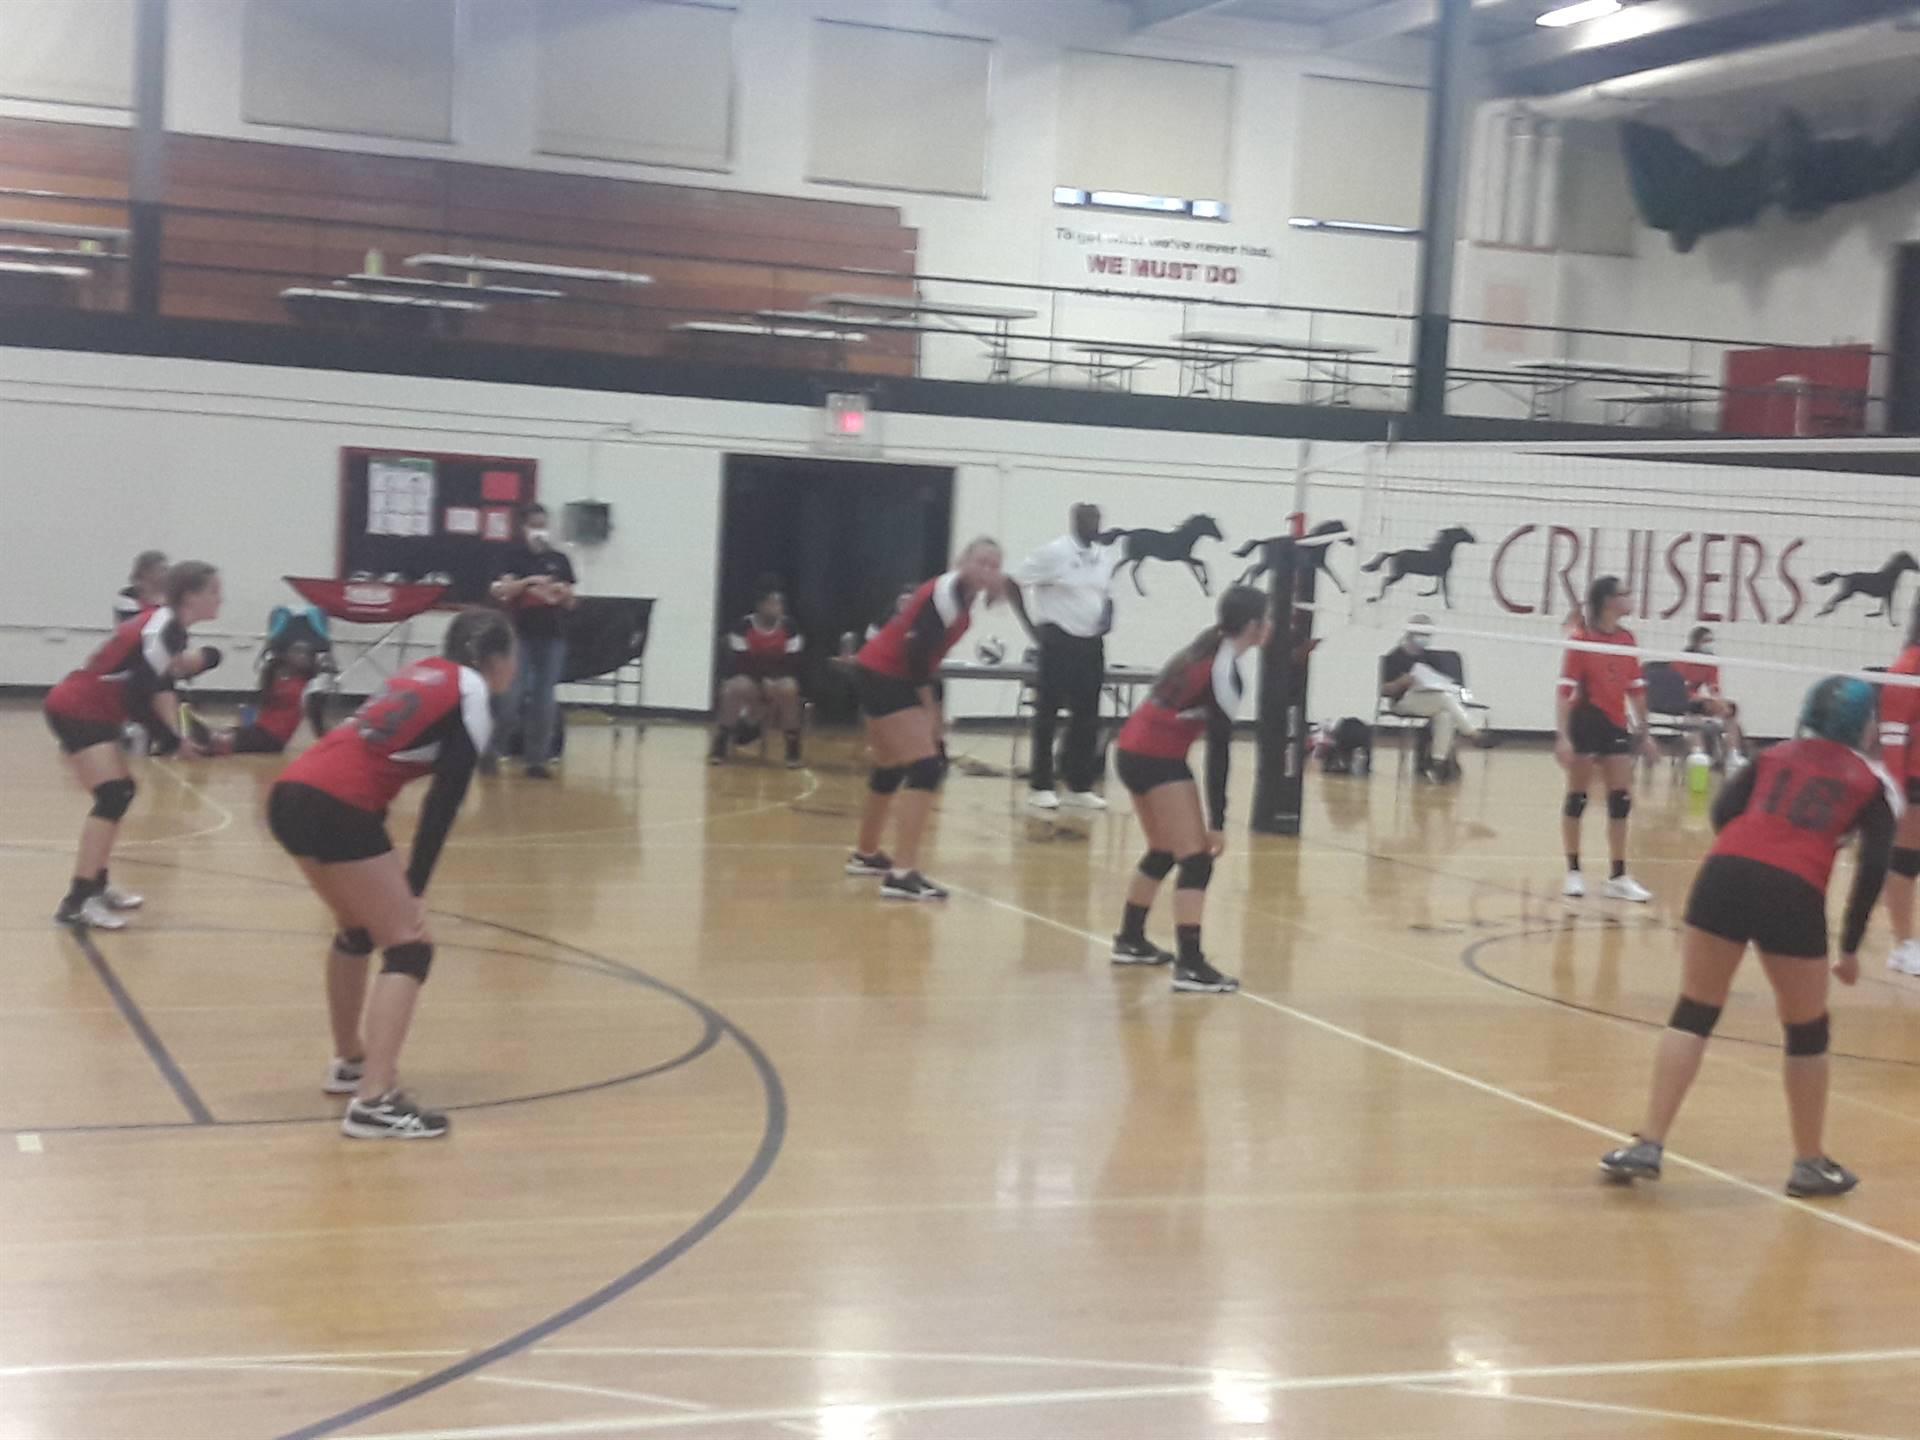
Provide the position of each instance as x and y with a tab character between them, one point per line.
926	773
1904	862
1157	864
1619	804
414	958
1694	1018
354	942
1576	805
1808	1037
886	779
112	798
1196	872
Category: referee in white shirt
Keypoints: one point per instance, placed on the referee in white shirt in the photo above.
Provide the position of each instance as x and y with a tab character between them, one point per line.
1068	609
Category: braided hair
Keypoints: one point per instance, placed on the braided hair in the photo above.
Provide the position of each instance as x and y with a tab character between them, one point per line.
477	636
1839	708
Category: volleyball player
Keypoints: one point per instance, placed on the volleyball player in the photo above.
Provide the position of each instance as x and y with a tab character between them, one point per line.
1196	694
1780	820
328	810
1900	750
146	587
286	698
1597	691
897	671
130	678
763	649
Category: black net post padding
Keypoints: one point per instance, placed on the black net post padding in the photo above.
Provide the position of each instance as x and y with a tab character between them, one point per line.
1282	729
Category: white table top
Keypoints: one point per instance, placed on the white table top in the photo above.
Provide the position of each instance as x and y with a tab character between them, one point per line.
1604	369
60	252
1274	342
911	305
368	297
419	282
841	324
33	267
60	227
1019	670
765	332
488	266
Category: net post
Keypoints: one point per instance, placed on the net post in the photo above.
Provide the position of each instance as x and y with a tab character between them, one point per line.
1280	770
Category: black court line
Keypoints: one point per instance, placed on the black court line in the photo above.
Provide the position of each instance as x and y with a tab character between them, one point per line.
157	1051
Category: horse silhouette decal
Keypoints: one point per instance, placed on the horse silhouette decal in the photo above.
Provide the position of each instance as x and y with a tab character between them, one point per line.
1140	546
1435	561
1319	554
1875	584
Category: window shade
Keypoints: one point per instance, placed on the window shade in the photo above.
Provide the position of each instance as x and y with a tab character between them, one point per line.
899	109
365	67
1154	127
637	80
67	53
1360	152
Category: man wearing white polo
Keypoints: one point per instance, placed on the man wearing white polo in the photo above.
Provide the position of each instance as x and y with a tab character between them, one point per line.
1064	598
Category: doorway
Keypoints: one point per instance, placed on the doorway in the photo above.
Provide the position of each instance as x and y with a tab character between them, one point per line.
1903	387
844	538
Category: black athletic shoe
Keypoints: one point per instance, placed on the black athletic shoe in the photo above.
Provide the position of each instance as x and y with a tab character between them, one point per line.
910	886
1201	978
1139	952
876	866
1814	1179
1638	1161
394	1116
718	754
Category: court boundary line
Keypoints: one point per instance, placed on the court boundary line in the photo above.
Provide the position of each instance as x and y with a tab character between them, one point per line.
1644	1412
149	1038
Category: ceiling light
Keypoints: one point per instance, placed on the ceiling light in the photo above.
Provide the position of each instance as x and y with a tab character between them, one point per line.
1577	12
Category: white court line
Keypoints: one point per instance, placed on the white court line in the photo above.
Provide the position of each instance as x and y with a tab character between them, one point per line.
1825	1216
1645	1412
224	822
28	1143
1007	1400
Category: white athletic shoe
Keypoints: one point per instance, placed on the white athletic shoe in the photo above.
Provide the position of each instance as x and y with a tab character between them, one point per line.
1625	887
93	913
118	899
343	1076
1575	886
1043	800
1905	958
1084	800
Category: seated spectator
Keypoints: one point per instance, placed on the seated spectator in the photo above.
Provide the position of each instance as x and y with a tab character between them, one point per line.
763	653
1719	737
1415	688
286	698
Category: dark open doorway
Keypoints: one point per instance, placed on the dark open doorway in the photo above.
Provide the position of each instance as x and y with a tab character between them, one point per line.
1903	385
843	537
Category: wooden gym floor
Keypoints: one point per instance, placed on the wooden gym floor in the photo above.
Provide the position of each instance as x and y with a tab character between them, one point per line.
739	1151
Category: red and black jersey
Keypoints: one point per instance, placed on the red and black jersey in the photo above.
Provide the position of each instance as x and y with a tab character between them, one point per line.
1805	797
1603	681
120	679
432	716
1701	678
1900	720
282	705
911	646
1199	697
764	652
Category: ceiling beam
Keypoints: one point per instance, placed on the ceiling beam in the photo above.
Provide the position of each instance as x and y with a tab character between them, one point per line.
1149	13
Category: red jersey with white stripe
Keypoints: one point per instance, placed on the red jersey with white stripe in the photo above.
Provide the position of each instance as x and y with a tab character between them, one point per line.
1603	681
398	735
1900	720
1808	796
1183	705
911	646
764	652
120	679
1700	678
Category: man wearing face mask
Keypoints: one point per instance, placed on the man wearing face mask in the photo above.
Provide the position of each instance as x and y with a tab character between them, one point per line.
536	586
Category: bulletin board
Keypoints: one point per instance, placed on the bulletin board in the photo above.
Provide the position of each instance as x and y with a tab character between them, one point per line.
416	513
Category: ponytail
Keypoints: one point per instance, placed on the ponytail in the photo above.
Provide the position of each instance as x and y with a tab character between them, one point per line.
477	636
1240	606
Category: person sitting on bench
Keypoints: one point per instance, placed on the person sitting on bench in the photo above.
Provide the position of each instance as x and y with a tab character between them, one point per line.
1415	688
1720	715
763	651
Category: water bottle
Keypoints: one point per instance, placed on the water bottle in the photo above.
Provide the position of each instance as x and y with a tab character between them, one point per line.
1699	773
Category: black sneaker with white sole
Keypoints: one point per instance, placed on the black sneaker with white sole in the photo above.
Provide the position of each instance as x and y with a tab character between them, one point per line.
910	886
394	1116
1200	978
1139	952
876	866
1638	1161
1814	1179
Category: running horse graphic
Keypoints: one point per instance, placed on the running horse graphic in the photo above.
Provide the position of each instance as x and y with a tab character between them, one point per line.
1436	561
1333	532
1140	546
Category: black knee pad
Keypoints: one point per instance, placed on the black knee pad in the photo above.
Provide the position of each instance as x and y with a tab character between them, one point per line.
1619	804
112	798
1694	1018
1196	871
414	958
1808	1037
1576	805
886	779
1905	862
354	942
1157	864
926	773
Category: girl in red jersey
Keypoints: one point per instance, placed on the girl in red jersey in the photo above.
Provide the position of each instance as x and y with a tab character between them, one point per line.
328	810
1596	693
131	677
286	698
1197	694
1780	822
1900	749
1702	679
896	672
